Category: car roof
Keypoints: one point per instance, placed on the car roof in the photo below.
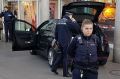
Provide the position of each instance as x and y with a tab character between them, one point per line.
76	9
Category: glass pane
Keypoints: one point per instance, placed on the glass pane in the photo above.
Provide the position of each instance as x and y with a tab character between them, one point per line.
22	26
82	10
44	25
28	11
49	28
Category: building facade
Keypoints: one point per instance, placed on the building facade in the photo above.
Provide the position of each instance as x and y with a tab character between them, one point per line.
35	11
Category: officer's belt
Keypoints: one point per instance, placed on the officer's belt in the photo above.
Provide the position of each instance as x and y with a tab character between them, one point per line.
90	69
86	63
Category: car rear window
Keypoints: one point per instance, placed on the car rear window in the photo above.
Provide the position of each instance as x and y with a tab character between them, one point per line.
83	10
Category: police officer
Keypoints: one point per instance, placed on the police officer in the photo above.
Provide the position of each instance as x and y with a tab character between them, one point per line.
8	17
63	36
72	24
83	49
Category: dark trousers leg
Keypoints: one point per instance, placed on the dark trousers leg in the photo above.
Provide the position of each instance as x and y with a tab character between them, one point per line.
56	61
6	32
10	31
65	64
8	28
90	75
76	73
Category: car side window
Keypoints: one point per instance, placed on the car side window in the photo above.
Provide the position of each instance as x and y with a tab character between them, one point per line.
22	26
49	28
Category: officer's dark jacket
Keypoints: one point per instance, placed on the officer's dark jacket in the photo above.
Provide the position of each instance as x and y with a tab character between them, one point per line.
8	16
84	49
73	26
64	31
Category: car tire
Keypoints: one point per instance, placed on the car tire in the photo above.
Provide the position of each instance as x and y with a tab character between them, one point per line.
50	56
33	52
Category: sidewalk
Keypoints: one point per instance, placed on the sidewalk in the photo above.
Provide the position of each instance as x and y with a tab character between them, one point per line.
109	71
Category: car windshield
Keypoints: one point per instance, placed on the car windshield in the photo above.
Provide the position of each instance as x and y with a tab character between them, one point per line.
83	10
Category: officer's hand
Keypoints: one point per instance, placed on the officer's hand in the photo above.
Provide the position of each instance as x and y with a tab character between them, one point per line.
73	19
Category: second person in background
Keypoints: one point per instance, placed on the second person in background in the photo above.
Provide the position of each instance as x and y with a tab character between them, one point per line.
8	23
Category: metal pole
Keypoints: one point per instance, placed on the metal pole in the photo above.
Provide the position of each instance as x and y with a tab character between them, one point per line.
59	8
116	49
18	9
44	10
38	12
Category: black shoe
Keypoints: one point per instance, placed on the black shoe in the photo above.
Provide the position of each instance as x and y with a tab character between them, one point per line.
67	75
55	72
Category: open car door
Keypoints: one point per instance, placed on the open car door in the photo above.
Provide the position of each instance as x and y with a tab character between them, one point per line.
23	36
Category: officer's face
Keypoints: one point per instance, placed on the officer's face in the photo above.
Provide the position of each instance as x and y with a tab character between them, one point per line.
87	29
5	9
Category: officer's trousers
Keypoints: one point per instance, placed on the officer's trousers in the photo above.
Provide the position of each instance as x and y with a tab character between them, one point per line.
8	29
57	61
83	74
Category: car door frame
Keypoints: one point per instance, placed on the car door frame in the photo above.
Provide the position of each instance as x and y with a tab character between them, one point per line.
23	40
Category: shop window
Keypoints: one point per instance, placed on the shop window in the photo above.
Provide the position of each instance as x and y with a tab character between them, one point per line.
29	12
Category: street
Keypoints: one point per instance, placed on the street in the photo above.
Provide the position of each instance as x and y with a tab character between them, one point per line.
22	65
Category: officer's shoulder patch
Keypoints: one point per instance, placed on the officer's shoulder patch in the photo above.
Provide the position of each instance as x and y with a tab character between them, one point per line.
62	21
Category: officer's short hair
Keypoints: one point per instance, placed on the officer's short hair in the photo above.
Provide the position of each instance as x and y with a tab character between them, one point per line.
86	21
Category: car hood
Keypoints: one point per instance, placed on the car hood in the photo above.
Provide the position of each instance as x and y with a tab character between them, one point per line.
84	9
